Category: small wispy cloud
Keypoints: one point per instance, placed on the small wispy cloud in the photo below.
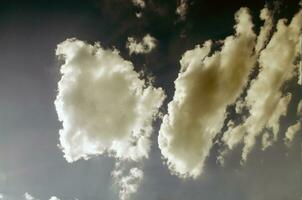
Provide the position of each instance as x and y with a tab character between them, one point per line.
127	180
28	196
139	3
182	9
146	45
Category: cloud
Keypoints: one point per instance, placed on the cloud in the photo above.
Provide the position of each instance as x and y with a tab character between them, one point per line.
300	67
182	9
139	3
138	15
294	129
1	196
299	108
54	198
291	132
265	30
147	44
127	183
265	101
28	196
103	104
205	86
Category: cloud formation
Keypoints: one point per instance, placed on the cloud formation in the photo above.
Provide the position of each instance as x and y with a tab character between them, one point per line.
205	86
265	30
265	101
103	104
127	183
139	3
291	132
54	198
145	46
182	9
299	108
28	196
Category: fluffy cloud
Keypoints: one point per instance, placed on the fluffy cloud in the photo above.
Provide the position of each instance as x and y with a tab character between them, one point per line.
139	3
28	196
291	132
147	44
265	101
300	68
127	183
265	30
182	9
205	86
299	108
54	198
294	129
103	104
1	196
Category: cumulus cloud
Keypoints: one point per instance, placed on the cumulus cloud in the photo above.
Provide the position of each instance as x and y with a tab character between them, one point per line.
299	108
300	68
182	9
28	196
145	46
139	3
54	198
265	101
103	104
265	30
205	86
291	132
138	14
128	182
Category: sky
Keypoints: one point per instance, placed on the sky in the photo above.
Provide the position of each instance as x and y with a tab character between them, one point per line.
150	100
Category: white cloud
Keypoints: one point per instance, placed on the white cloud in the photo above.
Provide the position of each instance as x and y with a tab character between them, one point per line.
1	196
300	67
264	100
265	30
103	104
139	3
54	198
147	44
299	108
273	121
291	132
129	183
205	86
182	9
138	15
28	196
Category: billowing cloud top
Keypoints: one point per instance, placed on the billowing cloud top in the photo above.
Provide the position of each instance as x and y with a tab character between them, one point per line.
265	101
103	104
205	86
